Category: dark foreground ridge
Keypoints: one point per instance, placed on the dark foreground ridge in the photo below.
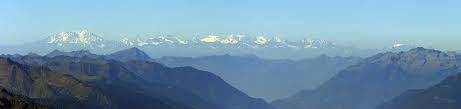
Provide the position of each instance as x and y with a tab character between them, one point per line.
73	80
444	95
11	101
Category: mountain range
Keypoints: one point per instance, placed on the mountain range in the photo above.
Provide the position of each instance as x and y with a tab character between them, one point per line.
81	79
75	70
376	79
197	45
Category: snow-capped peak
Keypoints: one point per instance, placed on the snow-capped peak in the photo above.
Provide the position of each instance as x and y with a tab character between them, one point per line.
229	40
278	39
90	40
210	38
260	40
127	41
397	45
181	41
141	42
80	38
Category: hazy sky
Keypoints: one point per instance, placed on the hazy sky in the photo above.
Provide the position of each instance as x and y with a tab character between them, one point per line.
363	23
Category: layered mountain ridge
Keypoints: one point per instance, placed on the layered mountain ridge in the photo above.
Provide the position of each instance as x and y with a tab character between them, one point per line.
81	79
199	45
444	95
376	80
11	101
270	79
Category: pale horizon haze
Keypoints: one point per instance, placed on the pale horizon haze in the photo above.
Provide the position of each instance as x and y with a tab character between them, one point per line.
358	23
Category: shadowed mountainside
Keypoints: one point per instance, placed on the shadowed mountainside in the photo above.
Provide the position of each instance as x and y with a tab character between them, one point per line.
60	90
444	95
137	75
11	101
375	80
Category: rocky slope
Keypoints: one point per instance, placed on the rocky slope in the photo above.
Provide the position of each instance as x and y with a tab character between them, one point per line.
11	101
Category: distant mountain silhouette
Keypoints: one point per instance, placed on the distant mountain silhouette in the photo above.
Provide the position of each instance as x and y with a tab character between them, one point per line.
269	79
375	80
130	54
81	53
123	55
445	95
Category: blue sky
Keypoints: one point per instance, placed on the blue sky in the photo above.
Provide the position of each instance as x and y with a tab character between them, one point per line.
362	23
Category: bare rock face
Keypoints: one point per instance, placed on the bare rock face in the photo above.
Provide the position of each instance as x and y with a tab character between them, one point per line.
11	101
